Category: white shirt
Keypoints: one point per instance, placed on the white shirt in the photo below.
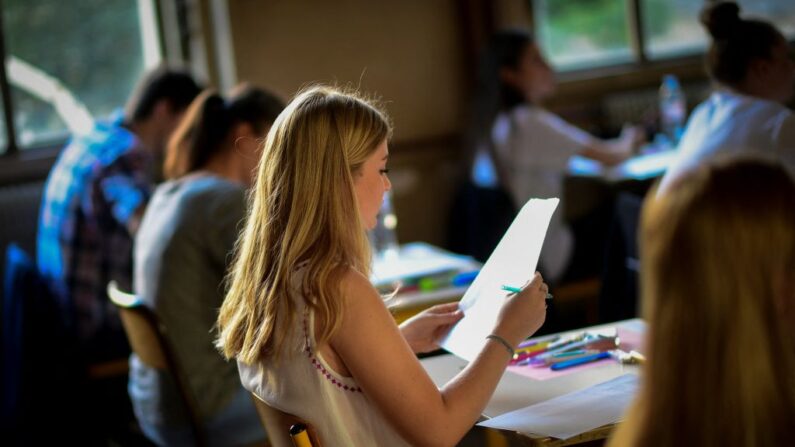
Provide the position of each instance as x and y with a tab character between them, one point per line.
303	384
535	145
729	124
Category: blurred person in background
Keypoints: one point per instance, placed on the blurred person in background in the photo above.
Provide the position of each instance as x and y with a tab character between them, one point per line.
523	148
93	201
749	61
182	252
718	294
92	204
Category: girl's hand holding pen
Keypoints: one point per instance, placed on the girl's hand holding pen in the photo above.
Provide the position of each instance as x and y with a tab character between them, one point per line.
519	289
523	313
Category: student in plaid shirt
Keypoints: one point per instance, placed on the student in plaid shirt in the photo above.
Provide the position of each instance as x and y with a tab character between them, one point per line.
93	201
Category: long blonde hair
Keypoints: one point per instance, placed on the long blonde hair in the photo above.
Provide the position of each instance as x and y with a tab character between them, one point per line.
303	211
716	249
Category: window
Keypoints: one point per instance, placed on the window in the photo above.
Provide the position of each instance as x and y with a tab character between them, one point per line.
671	28
779	12
579	34
583	33
69	63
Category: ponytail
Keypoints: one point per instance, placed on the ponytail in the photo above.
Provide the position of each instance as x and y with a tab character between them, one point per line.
209	120
198	137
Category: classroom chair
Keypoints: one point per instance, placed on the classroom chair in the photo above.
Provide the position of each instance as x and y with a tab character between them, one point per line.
280	427
38	358
618	298
478	219
148	339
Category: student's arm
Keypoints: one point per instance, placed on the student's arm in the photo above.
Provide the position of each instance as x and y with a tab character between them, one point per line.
613	152
384	366
551	140
123	188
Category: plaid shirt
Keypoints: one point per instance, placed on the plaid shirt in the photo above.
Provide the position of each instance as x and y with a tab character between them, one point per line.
98	182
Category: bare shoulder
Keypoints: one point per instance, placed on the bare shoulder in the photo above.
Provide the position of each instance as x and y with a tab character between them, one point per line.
354	280
361	300
357	289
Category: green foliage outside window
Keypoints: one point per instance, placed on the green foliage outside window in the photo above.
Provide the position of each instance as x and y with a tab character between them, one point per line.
583	32
93	47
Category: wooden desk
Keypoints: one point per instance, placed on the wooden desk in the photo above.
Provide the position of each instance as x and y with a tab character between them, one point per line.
516	391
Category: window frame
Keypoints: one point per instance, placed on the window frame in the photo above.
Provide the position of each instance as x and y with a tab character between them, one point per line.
637	42
641	64
32	163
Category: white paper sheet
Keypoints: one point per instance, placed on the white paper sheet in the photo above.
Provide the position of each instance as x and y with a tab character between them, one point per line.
512	263
574	413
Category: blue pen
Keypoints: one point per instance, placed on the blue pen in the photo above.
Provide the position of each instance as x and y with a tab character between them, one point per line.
582	360
562	357
465	278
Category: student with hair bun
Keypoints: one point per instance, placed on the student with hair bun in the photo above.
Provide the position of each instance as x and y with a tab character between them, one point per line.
750	62
181	255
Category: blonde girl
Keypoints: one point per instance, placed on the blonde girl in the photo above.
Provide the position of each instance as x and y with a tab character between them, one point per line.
311	335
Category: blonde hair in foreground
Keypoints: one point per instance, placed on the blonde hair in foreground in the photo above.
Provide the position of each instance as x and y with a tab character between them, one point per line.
718	256
303	210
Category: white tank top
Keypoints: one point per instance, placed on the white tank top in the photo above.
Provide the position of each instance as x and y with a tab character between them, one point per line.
303	384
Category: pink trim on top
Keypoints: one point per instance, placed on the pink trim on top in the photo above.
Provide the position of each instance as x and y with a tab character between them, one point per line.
319	366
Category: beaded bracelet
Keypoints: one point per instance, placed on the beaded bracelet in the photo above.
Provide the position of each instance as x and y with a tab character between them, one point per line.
503	342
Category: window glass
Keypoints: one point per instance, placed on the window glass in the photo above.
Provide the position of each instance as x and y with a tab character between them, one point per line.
780	12
576	34
71	62
671	28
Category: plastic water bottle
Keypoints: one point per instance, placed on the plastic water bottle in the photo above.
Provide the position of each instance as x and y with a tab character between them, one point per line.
672	108
383	238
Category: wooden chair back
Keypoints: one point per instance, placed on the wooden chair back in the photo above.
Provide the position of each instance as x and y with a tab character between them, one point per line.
279	424
148	339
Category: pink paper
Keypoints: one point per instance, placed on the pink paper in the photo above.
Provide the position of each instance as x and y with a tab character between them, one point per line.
629	340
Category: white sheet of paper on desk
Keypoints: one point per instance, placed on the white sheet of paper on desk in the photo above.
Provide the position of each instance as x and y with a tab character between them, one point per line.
572	414
512	263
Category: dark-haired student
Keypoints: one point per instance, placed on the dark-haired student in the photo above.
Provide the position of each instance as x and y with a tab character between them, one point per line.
93	200
181	255
749	60
522	147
